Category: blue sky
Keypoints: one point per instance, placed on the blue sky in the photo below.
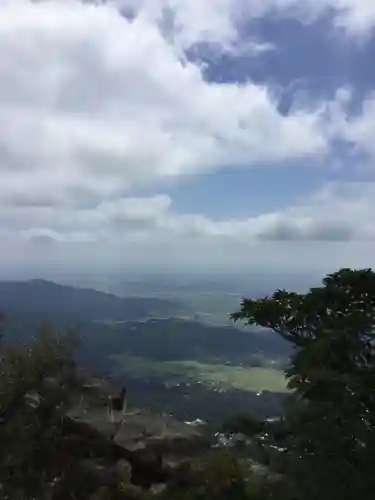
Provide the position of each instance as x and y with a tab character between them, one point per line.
309	59
184	135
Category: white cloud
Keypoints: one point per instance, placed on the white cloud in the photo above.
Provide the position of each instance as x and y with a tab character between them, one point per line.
218	21
92	104
333	228
359	129
355	16
354	129
339	212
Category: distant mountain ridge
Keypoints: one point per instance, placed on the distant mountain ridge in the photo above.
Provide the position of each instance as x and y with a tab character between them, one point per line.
48	299
132	339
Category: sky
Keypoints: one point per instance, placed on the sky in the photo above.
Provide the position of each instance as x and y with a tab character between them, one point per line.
186	135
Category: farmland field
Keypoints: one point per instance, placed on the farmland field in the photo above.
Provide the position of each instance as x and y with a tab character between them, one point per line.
223	376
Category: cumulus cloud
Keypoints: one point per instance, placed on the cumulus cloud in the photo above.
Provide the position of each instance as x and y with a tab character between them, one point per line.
92	104
355	17
97	98
359	129
220	21
335	227
338	212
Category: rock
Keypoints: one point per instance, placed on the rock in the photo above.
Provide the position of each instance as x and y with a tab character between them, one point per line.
158	489
160	433
124	470
139	447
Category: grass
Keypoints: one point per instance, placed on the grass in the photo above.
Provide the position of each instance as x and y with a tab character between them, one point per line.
236	377
253	379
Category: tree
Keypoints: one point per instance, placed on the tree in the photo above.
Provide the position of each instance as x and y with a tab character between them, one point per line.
332	377
35	382
43	454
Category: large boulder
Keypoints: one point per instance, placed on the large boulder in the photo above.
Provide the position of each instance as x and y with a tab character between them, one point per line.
152	445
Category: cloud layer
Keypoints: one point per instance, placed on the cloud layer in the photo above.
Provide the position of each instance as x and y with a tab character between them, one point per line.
98	99
92	104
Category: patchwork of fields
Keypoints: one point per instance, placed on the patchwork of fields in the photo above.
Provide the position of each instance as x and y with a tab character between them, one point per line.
219	376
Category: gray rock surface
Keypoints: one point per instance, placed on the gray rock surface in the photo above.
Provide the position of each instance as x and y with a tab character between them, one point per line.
152	445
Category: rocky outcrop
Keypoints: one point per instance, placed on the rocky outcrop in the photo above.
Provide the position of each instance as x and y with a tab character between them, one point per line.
144	447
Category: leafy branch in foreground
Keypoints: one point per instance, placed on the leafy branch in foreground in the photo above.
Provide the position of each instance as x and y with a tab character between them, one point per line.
35	382
332	376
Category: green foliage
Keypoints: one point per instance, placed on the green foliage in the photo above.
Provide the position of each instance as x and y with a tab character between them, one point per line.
328	431
42	455
34	390
221	475
244	424
332	374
